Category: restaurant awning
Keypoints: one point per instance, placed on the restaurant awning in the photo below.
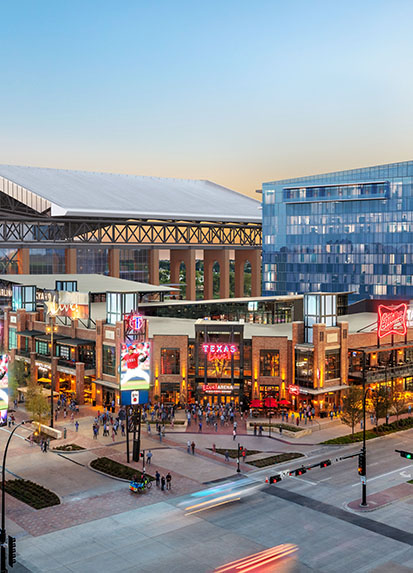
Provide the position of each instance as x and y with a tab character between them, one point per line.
256	404
76	342
325	390
46	337
270	402
29	333
112	385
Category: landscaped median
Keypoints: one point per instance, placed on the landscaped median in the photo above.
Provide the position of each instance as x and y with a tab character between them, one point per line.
31	493
116	470
262	462
68	448
287	429
377	432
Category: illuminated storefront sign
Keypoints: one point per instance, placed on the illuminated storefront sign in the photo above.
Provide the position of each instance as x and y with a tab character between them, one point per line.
294	390
219	351
392	320
135	322
218	388
69	304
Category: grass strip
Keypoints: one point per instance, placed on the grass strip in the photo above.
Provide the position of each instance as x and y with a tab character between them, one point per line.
382	430
31	493
115	469
277	459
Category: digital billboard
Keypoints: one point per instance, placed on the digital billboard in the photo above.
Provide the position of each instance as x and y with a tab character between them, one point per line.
135	371
4	382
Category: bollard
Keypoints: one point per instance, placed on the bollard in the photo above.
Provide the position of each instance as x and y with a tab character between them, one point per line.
64	433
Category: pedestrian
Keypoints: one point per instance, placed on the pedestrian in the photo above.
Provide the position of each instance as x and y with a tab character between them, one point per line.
226	456
188	446
298	421
361	424
281	430
163	483
149	457
331	414
409	409
387	418
168	481
55	416
371	419
234	434
113	435
123	429
157	478
200	427
255	429
77	426
215	426
260	429
214	449
193	448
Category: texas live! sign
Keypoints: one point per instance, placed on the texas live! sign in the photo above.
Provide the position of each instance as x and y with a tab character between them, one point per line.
392	320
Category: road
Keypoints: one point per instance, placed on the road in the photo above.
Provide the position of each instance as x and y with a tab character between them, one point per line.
307	511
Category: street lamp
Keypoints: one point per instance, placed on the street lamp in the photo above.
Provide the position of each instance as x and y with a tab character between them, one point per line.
3	500
52	328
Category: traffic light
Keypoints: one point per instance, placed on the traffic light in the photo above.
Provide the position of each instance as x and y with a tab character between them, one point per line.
403	454
325	463
142	455
362	464
299	471
12	550
244	453
275	479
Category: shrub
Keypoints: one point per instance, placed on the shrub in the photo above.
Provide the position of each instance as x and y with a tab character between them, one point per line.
115	469
277	459
31	493
69	448
234	453
382	430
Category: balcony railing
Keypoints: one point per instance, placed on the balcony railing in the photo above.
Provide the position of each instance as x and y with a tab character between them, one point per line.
383	373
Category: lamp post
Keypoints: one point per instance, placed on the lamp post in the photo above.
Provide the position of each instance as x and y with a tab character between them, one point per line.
51	328
3	500
363	449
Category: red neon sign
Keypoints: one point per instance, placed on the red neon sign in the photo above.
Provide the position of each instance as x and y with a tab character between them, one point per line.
135	322
294	390
392	320
219	351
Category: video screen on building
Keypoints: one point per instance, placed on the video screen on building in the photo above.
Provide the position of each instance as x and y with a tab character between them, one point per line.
4	390
135	371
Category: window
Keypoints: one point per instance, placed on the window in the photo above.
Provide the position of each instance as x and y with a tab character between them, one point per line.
63	352
332	364
304	368
109	360
42	347
170	361
269	363
12	338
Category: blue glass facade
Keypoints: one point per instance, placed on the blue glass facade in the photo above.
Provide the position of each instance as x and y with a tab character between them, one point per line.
344	231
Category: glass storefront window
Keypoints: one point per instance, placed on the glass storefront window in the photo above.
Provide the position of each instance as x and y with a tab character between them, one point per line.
332	364
109	360
304	368
170	361
269	363
12	338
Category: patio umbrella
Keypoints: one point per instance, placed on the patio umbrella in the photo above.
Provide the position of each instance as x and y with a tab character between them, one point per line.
256	404
270	402
284	402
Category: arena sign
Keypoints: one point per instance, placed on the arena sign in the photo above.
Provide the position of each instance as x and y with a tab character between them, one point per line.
392	320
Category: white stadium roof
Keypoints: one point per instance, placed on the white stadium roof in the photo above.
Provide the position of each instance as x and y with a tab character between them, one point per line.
83	193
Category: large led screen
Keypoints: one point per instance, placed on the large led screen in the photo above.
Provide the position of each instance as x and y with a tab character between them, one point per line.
135	372
4	383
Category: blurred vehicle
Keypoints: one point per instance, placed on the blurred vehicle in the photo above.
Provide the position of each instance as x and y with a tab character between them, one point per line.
279	559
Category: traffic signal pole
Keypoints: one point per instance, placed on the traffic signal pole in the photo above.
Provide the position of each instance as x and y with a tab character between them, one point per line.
363	450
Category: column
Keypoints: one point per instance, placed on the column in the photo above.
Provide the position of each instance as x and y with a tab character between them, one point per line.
221	256
254	258
114	262
187	256
240	258
55	374
80	382
33	368
23	261
153	263
71	261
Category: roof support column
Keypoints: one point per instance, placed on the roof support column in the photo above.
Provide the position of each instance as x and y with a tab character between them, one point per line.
221	256
254	258
71	261
114	262
80	382
23	261
153	266
187	256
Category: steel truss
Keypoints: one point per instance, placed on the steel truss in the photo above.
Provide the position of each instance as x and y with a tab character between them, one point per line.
58	232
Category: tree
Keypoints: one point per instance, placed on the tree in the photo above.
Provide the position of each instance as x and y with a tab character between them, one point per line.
17	377
380	402
352	411
37	404
399	404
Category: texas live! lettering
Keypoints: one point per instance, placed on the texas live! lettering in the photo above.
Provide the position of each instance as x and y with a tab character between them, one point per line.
216	350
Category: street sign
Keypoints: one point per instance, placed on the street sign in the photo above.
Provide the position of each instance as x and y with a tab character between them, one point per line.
135	397
363	479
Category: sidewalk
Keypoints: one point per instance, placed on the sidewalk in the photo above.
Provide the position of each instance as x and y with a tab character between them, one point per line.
383	498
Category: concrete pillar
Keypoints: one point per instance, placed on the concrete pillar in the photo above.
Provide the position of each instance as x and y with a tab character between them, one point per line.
254	257
70	261
153	266
114	262
99	349
23	261
186	256
80	382
221	256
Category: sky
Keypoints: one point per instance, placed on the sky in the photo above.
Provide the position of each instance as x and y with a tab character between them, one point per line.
238	92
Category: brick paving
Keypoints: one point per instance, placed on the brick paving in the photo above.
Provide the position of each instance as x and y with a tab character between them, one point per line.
384	497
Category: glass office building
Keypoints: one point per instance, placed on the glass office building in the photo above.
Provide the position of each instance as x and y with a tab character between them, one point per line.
343	231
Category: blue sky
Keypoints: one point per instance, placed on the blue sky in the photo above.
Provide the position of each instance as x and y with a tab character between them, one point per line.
238	92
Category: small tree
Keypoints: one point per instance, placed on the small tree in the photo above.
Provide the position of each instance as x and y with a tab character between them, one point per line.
380	402
37	404
352	411
399	404
17	377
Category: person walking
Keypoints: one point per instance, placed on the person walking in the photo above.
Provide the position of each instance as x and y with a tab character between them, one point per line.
255	429
157	478
149	458
188	446
260	429
163	483
168	481
200	427
215	426
281	431
193	448
77	426
226	456
234	434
